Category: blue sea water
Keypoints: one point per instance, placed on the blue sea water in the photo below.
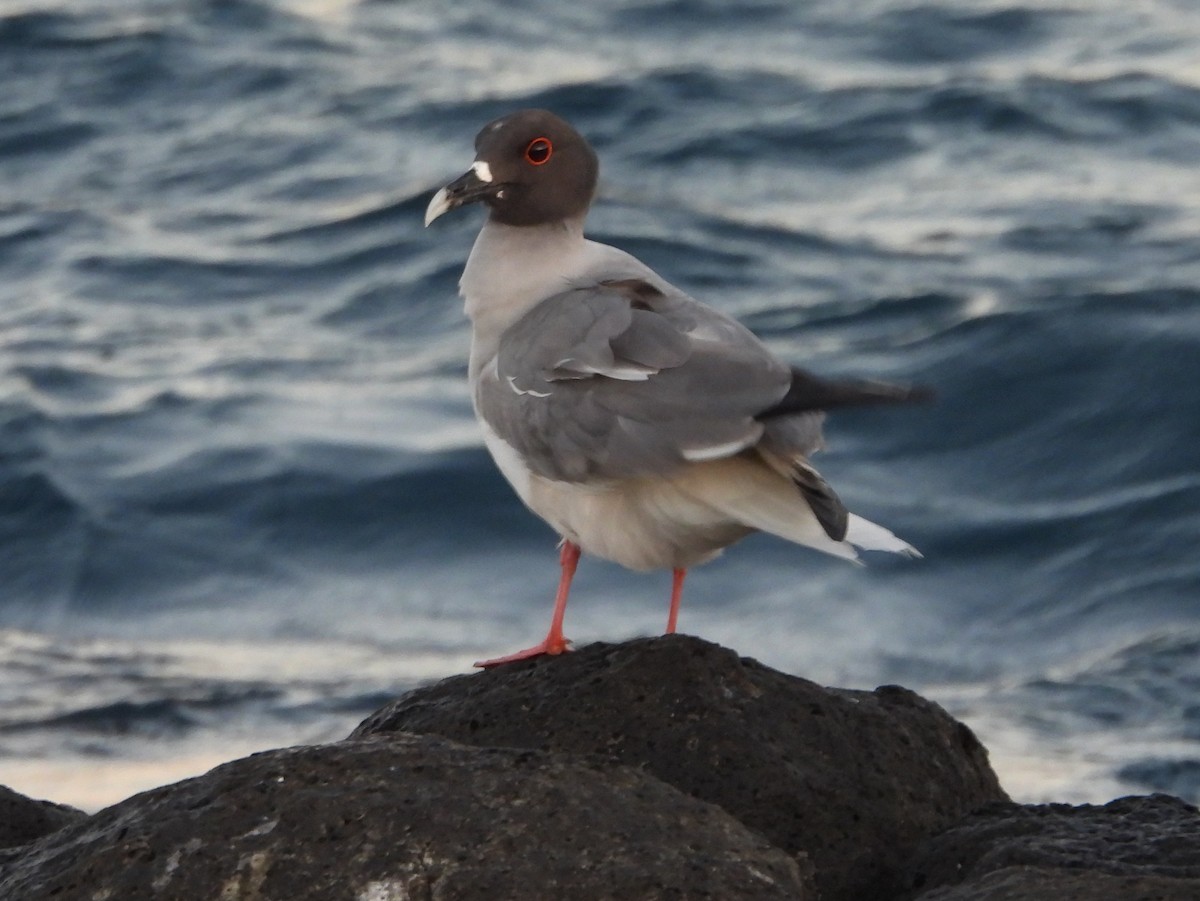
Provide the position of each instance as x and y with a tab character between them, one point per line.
243	500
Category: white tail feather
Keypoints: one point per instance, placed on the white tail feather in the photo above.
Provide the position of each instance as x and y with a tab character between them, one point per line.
758	497
871	537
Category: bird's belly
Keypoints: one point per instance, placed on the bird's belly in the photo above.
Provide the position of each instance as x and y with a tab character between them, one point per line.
651	523
641	524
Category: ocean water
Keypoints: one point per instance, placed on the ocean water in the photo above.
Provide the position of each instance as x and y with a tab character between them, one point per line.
243	500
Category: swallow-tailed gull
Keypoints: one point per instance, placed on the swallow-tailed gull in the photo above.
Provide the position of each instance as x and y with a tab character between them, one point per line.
643	426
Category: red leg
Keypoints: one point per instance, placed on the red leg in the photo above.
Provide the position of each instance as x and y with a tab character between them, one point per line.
676	597
554	642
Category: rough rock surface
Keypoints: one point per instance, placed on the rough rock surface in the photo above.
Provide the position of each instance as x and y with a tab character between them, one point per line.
854	780
664	768
1132	849
415	817
23	819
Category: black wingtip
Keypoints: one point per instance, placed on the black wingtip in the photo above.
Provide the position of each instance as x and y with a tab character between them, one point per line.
809	393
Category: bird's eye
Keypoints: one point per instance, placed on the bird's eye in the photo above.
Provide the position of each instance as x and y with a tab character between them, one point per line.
538	151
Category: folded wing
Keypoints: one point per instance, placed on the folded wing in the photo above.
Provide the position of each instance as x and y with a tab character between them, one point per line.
622	379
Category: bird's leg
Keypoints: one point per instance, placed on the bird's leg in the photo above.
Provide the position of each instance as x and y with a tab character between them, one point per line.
554	642
568	559
676	596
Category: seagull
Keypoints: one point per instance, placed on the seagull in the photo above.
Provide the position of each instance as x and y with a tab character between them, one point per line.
643	426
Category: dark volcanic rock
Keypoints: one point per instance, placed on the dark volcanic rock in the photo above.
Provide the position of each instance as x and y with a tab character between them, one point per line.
23	819
416	817
855	780
1132	849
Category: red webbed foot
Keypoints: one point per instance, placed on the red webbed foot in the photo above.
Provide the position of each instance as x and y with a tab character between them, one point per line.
551	646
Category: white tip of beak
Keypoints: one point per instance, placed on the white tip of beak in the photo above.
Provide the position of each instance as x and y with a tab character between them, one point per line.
439	205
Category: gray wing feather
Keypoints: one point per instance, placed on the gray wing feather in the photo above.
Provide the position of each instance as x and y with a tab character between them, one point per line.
652	340
623	379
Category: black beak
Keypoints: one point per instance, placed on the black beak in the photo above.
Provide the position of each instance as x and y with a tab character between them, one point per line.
474	185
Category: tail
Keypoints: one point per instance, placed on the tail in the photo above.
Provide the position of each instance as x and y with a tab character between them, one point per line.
760	498
841	527
868	536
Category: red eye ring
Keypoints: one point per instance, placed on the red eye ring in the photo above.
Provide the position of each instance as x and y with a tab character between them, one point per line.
539	151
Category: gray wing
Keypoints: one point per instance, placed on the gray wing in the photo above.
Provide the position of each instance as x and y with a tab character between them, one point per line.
622	379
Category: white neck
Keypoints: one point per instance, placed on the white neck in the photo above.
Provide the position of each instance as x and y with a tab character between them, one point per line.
513	268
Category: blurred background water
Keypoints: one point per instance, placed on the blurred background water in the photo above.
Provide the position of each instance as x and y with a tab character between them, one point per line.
243	500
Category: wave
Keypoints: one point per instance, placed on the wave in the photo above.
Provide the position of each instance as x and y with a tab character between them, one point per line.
232	395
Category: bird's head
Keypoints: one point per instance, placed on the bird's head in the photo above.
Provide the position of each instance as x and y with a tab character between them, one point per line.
531	168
